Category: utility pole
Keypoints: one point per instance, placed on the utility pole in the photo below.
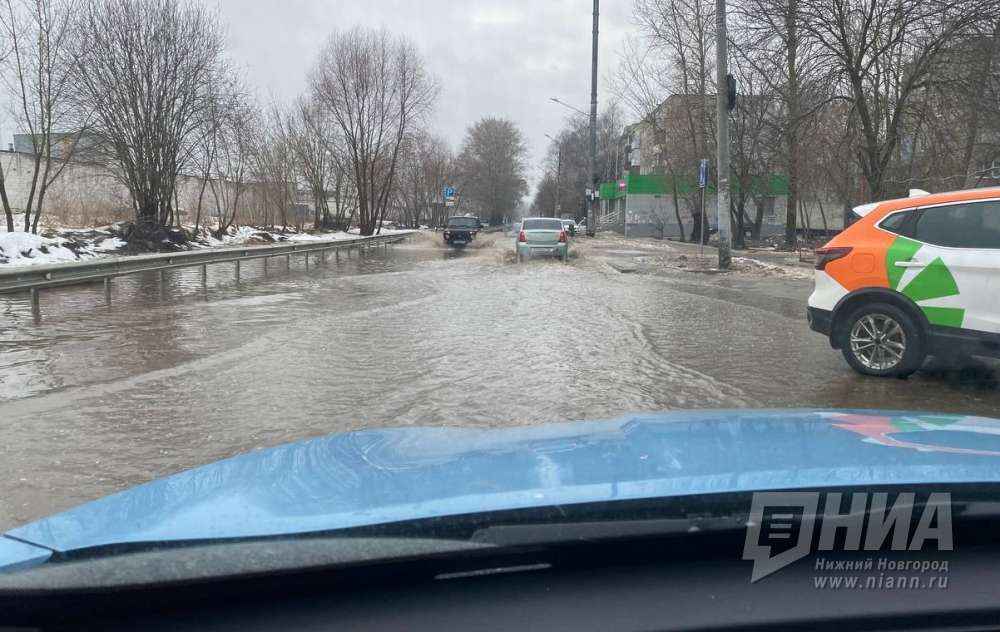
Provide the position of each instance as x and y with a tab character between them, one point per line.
595	179
559	151
558	207
722	98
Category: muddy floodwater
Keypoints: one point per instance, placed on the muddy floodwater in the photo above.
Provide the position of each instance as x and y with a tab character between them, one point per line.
94	399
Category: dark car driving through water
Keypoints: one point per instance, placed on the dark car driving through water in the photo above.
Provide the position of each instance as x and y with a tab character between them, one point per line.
461	231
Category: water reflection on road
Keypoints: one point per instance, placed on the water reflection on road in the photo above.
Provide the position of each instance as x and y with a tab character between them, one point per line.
95	399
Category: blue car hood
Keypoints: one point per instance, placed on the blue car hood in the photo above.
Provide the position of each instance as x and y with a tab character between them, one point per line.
388	475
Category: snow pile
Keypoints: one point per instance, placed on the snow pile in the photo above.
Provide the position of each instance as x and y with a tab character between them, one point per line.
356	232
320	236
21	249
250	235
75	244
111	244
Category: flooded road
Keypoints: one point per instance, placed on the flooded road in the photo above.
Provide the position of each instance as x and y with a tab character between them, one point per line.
95	399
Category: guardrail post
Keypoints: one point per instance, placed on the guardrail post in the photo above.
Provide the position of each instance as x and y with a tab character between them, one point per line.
204	275
336	254
307	260
107	291
265	266
237	271
322	256
36	307
163	284
288	261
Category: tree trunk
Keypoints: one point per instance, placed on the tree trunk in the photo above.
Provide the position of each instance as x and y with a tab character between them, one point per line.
792	123
822	214
805	219
741	231
201	197
677	211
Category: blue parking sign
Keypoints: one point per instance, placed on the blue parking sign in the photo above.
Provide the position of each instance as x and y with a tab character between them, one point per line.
703	174
449	192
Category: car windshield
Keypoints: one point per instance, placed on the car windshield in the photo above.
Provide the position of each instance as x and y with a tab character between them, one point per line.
542	224
276	269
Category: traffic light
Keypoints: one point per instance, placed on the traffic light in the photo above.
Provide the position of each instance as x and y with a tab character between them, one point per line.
730	92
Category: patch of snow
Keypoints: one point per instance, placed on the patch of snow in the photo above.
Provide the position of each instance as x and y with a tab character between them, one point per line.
27	249
320	236
110	244
792	272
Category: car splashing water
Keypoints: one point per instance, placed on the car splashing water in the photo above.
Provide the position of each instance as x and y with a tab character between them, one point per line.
94	399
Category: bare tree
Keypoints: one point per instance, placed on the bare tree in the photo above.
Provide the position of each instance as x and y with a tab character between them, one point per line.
148	70
376	89
546	196
493	167
667	78
425	172
770	40
229	179
37	76
311	136
885	54
275	168
754	139
568	157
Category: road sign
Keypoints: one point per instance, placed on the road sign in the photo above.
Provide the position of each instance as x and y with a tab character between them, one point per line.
449	203
703	174
449	193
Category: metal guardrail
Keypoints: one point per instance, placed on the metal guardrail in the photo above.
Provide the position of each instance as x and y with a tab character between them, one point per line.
34	278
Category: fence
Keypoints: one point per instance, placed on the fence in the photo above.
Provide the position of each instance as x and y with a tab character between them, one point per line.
34	278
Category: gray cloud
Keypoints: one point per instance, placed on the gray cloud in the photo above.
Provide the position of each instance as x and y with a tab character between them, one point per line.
492	57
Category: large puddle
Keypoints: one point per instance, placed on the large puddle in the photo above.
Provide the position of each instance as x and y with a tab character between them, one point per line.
94	399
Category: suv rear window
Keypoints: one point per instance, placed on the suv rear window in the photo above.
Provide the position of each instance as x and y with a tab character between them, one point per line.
543	224
971	225
900	223
463	222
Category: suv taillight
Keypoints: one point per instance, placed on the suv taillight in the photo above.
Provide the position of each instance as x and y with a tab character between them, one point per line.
825	256
562	237
522	237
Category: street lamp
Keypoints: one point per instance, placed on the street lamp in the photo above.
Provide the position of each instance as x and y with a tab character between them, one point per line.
558	204
567	105
594	178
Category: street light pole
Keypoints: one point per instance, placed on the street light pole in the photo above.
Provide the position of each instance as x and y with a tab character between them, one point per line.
558	205
558	208
595	179
722	98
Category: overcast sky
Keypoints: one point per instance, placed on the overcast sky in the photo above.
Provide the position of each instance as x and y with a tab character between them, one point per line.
492	57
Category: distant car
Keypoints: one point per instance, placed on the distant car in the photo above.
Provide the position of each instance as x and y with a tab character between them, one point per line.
541	236
570	226
461	231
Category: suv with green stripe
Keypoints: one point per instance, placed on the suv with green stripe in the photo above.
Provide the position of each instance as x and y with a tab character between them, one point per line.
912	277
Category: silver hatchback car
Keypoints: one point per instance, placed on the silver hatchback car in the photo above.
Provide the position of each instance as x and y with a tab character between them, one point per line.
542	236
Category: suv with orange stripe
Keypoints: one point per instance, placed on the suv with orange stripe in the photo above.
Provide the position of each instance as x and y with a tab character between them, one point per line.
913	277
